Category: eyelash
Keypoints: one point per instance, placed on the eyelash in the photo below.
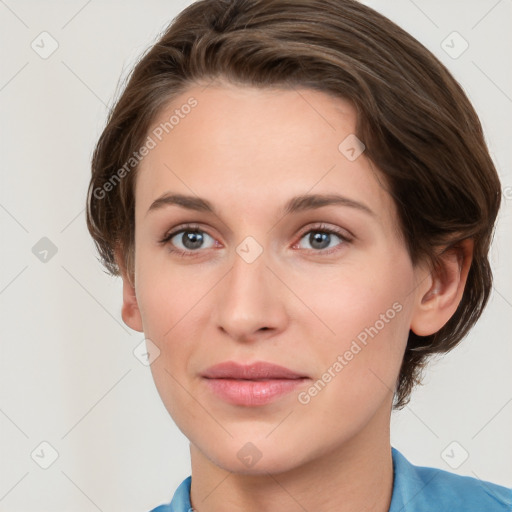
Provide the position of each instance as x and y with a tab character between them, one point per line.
322	228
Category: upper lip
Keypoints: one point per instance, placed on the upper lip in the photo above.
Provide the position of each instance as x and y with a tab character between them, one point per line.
258	370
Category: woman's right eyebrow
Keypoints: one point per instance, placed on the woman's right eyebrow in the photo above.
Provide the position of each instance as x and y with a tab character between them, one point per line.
295	204
189	202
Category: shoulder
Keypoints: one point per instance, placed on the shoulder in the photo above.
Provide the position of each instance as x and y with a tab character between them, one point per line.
425	489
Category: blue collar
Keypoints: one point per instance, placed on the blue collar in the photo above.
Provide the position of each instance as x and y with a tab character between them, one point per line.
415	489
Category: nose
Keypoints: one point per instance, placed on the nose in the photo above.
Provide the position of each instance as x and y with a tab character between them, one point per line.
249	302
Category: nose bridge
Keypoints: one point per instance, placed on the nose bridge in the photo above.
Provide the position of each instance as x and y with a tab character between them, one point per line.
247	300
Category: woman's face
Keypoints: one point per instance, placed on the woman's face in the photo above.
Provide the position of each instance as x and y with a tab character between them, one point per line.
323	288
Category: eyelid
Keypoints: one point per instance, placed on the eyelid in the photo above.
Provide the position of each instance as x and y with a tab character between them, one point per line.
179	229
310	227
345	235
322	226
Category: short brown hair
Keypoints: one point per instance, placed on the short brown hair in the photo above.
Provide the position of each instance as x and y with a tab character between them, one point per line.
418	126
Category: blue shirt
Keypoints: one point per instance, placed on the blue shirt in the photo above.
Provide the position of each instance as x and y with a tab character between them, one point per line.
415	489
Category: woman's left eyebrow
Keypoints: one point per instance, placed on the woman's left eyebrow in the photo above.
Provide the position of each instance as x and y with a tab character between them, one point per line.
313	201
295	204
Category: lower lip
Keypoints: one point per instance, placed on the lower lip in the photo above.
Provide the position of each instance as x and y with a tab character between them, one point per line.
252	392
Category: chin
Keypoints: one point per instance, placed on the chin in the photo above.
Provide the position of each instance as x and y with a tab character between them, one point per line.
273	463
257	457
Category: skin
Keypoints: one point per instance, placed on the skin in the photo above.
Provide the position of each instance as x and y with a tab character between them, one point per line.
248	151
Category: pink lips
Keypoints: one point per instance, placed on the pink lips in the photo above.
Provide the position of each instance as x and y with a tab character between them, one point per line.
251	385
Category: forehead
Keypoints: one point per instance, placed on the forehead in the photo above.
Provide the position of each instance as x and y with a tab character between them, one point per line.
257	147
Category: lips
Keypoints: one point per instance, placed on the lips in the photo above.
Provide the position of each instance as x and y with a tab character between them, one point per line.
255	371
251	385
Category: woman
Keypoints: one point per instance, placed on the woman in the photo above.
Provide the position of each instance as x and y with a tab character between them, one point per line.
300	202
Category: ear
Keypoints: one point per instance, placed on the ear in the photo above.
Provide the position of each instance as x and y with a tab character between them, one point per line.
130	311
440	293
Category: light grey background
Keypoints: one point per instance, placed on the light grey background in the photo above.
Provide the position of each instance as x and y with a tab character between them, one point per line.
68	375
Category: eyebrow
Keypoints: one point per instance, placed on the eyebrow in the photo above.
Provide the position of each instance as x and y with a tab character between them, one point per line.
295	204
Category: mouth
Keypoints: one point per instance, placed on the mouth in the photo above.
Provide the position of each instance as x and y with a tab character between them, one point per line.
250	385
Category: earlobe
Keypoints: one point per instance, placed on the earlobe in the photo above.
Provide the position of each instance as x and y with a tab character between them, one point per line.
440	297
130	310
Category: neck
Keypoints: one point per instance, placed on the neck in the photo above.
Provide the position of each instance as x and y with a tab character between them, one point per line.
356	476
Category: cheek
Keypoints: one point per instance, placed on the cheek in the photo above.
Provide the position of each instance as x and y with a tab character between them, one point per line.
169	308
169	295
357	368
368	315
351	299
168	301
